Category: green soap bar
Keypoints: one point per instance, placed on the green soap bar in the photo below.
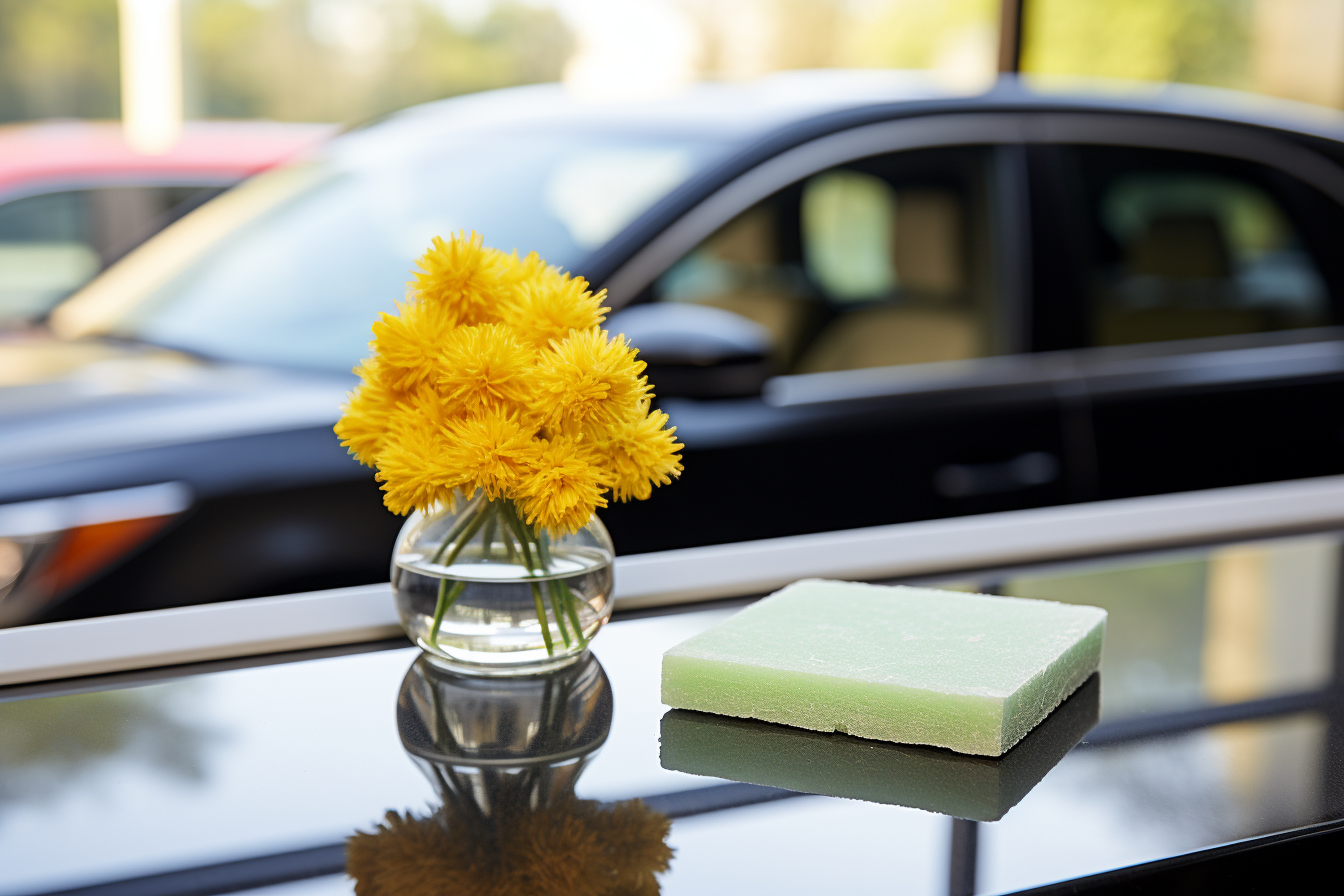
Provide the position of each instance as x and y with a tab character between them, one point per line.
975	787
969	672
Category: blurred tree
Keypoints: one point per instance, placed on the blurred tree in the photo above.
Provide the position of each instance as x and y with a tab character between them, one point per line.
919	34
1195	41
59	58
1299	50
956	38
347	60
51	746
314	60
809	33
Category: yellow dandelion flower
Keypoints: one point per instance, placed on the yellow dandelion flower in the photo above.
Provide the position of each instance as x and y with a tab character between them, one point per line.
485	367
564	487
427	406
589	382
413	466
549	305
491	450
534	266
464	278
641	453
496	377
366	415
516	272
407	343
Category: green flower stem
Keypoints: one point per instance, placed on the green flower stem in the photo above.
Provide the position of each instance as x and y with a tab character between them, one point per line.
573	613
519	530
446	600
471	530
509	550
561	594
467	518
556	596
446	597
541	614
559	615
488	535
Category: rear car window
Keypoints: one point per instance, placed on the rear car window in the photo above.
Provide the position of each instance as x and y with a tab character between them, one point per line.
1180	245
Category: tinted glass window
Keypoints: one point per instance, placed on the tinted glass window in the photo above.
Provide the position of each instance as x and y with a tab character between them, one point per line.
877	263
317	251
53	243
1184	246
47	250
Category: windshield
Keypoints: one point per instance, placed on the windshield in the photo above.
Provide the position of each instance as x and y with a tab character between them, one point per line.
293	267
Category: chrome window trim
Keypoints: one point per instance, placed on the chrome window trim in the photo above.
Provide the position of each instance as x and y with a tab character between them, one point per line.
1220	360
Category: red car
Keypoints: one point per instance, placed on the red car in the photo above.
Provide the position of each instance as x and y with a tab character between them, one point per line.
74	197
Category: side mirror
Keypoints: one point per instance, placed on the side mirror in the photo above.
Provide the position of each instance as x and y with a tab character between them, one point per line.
697	351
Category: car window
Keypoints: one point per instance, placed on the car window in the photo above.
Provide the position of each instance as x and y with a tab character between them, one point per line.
53	243
46	251
1183	246
291	267
881	262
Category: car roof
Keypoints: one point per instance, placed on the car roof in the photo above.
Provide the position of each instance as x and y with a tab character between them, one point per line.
1167	98
724	112
51	153
746	111
727	108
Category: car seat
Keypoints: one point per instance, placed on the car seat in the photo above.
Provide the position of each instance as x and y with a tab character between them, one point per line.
930	319
1178	286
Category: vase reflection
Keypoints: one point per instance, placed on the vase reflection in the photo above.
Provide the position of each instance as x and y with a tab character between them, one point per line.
504	756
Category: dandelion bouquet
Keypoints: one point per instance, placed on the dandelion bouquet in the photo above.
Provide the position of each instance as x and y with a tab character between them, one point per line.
495	387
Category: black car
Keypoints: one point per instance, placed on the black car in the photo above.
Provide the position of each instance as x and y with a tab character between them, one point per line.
862	302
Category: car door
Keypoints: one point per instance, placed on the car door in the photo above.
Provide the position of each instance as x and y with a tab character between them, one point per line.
881	271
1195	270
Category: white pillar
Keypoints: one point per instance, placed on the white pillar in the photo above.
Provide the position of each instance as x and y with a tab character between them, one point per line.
151	74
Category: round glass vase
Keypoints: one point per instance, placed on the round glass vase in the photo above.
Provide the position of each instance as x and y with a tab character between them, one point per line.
484	593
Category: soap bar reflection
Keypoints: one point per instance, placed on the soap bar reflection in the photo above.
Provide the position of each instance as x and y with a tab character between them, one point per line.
937	780
504	755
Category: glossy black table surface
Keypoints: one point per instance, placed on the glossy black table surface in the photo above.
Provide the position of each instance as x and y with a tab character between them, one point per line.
1214	720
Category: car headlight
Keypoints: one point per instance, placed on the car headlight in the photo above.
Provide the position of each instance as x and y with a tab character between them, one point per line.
49	547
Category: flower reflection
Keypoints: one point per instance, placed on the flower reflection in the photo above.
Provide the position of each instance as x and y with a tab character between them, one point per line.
504	755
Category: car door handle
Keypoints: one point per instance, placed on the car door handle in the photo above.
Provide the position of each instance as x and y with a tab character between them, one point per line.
1024	471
